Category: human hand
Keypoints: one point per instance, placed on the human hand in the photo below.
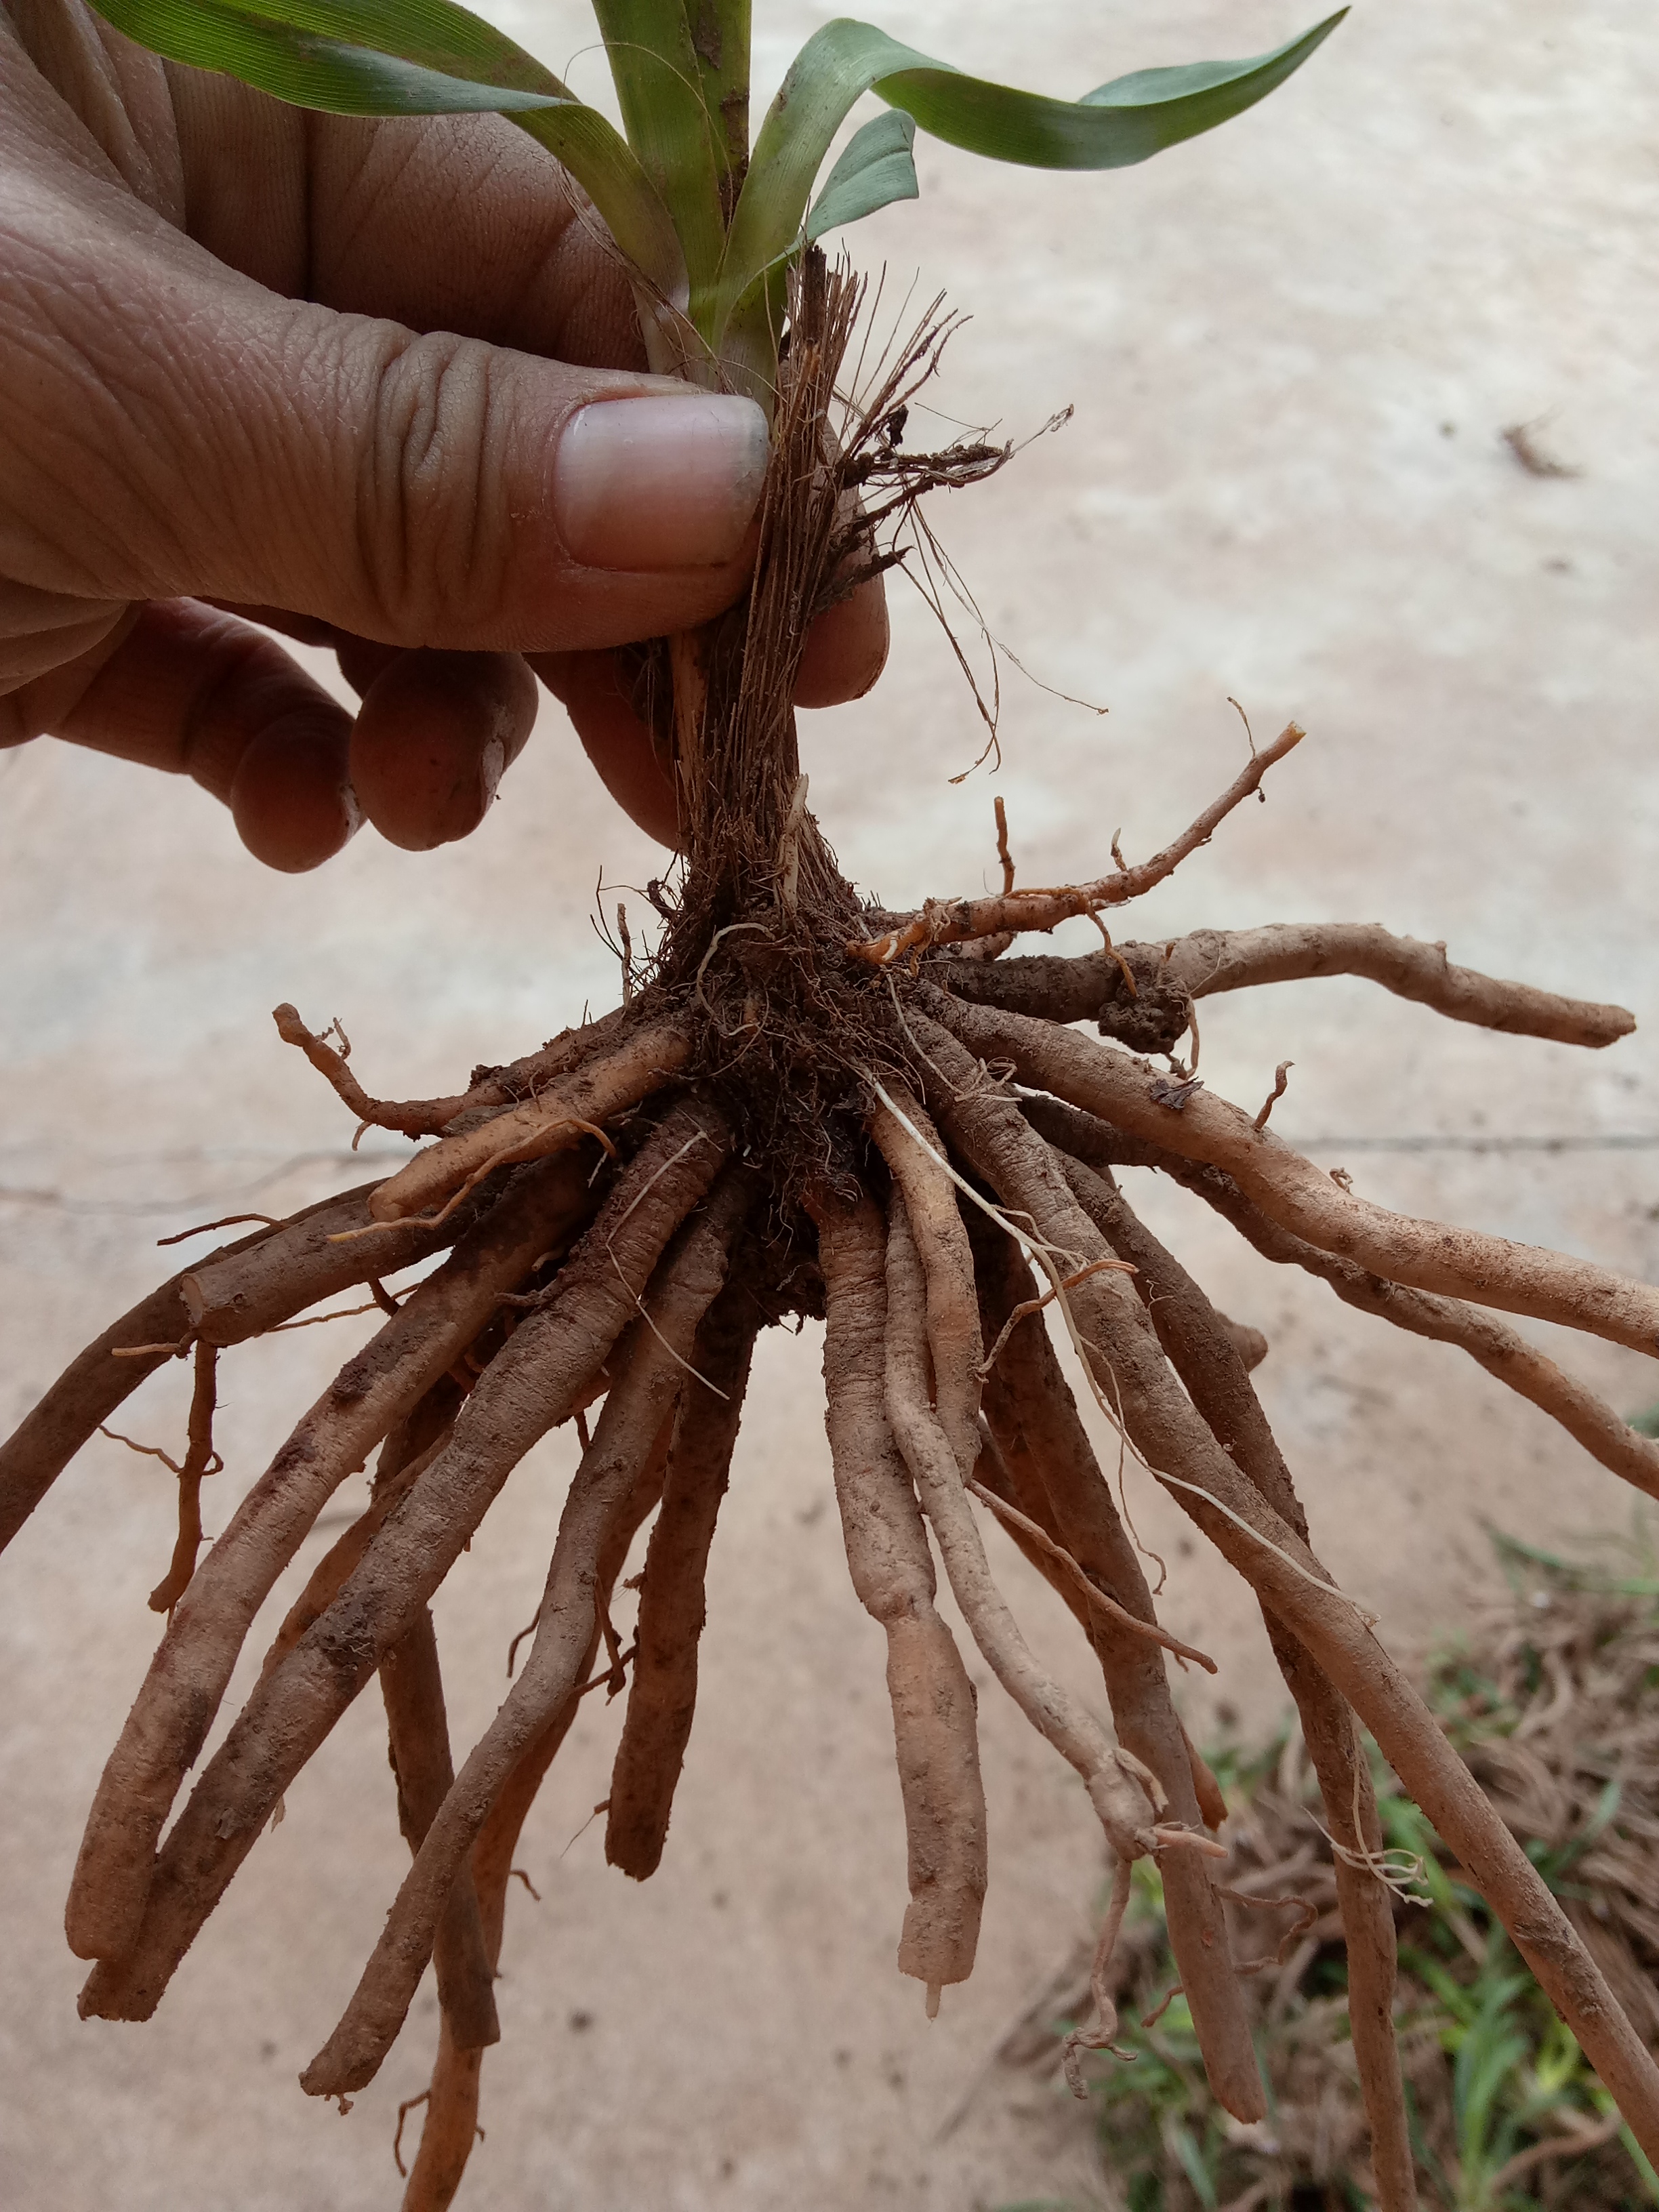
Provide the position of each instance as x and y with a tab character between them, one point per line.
239	380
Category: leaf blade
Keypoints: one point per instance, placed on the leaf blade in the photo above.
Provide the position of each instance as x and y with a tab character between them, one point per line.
659	86
1115	127
876	168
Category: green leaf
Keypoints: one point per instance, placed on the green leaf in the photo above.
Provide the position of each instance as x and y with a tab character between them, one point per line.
401	58
876	168
1115	125
720	39
317	56
659	89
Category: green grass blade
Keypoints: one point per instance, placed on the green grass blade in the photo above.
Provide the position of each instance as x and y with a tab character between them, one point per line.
435	34
720	39
318	61
1112	127
399	58
659	88
876	168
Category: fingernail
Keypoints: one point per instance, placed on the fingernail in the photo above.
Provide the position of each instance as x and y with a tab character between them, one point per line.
659	483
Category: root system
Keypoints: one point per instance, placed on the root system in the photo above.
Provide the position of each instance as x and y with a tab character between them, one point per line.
808	1107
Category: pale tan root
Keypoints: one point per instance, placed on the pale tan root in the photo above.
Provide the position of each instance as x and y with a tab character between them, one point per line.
1211	960
417	1723
1090	987
652	1372
601	1088
952	1310
952	922
165	1730
1032	1407
533	1383
450	2124
233	1298
1168	1429
1424	1255
934	1728
1120	1801
1503	1353
1204	1357
418	1726
663	1692
328	1577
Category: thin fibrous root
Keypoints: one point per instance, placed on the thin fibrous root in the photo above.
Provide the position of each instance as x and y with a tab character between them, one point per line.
1203	1355
1505	1354
935	1732
200	1461
654	1371
1423	1254
1050	1461
450	2128
606	1085
1090	987
662	1696
1181	1449
495	1087
1115	1790
165	1730
530	1387
1099	2036
952	922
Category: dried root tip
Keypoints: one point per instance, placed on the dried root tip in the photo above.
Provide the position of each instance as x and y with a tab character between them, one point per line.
558	1118
935	1734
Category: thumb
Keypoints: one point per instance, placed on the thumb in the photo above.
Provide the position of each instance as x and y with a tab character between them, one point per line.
210	439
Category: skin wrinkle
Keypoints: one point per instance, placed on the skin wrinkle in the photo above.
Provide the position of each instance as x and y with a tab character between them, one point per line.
237	375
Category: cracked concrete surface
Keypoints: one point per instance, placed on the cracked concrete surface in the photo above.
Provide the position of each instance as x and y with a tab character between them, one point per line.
1292	348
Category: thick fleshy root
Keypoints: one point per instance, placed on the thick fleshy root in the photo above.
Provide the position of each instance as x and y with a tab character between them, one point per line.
804	1109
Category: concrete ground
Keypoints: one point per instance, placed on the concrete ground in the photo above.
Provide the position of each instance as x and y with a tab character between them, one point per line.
1291	347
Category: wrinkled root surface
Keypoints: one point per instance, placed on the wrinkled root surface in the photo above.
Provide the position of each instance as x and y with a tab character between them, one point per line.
805	1107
